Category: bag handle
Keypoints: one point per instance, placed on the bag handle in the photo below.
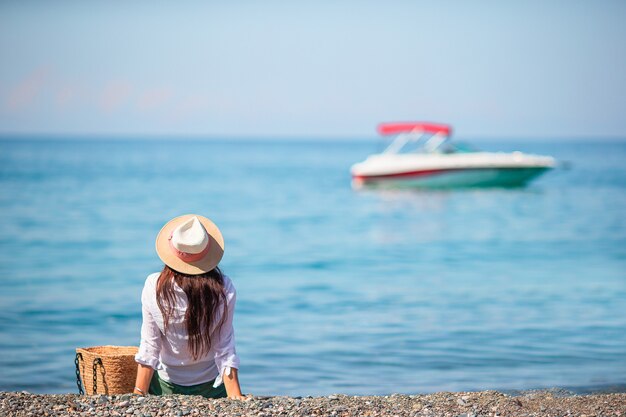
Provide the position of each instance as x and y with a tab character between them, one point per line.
78	381
96	362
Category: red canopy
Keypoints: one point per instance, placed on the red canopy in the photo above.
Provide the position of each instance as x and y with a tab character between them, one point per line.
405	127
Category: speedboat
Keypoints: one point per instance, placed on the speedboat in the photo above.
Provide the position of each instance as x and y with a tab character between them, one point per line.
423	156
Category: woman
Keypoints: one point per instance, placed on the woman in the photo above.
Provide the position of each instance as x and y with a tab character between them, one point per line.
187	333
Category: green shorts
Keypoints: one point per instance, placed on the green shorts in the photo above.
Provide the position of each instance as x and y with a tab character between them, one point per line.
161	387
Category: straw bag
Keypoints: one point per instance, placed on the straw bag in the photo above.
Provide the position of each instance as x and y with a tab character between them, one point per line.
106	369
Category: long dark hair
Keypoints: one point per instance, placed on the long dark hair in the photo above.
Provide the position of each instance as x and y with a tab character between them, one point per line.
205	293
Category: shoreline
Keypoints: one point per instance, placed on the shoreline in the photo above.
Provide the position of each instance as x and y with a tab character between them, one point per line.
466	404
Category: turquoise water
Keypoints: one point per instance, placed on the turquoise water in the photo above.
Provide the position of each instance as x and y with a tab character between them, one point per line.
368	292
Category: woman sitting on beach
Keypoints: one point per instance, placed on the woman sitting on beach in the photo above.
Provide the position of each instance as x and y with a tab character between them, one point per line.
187	332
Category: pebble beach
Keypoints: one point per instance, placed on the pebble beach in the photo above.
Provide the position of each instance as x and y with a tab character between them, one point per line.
465	404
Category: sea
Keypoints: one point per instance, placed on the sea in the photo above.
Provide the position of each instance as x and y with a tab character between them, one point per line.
361	292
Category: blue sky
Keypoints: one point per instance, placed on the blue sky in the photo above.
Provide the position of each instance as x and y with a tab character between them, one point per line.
492	69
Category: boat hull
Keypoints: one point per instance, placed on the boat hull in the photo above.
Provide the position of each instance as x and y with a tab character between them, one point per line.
453	178
476	169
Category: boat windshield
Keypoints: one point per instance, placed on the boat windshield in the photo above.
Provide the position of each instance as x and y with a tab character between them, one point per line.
420	143
427	144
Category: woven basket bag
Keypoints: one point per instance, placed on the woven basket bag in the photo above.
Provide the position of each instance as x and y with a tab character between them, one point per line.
106	369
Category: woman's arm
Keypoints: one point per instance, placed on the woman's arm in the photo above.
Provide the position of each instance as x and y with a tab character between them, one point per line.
151	340
142	383
226	358
231	383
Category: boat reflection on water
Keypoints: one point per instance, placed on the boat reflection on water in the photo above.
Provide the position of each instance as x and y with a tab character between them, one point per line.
422	156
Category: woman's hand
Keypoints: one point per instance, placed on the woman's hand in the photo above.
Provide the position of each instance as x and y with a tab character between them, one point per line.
142	383
231	383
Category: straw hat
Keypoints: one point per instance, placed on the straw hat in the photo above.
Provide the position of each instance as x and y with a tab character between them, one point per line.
190	244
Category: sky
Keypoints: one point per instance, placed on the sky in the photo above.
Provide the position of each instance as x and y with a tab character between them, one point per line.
327	69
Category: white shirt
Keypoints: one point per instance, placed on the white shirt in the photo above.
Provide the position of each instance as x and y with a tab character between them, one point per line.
169	353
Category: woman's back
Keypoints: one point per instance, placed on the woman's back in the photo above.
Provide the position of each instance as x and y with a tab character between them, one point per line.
175	362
